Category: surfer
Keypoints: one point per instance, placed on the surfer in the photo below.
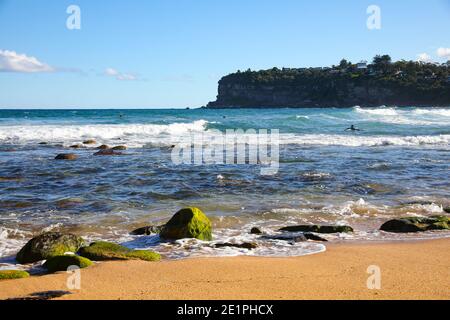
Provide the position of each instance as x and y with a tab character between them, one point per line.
352	128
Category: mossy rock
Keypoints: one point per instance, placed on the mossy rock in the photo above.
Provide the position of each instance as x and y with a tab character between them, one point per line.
416	224
13	274
49	245
61	263
318	229
119	148
144	255
188	223
102	250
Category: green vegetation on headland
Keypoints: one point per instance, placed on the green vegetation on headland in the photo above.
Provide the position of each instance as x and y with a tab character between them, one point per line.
383	82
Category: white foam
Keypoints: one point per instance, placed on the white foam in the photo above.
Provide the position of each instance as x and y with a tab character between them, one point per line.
367	141
132	134
382	111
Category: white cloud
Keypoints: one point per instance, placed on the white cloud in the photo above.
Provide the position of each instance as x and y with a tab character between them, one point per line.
11	61
110	72
444	53
423	57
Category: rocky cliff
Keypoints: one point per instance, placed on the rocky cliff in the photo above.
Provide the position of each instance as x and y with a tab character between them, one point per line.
401	84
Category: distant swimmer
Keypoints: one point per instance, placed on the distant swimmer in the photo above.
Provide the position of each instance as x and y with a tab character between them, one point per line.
352	128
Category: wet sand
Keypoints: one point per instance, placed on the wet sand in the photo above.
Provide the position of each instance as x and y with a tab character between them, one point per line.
409	270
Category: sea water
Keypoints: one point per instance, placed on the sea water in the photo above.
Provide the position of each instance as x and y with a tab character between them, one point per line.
398	165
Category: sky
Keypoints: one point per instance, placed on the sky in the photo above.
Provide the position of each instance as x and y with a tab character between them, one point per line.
171	53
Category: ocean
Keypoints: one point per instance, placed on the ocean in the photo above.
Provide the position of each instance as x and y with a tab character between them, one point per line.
398	165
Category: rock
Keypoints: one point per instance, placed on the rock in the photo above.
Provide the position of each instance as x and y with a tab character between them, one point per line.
292	238
13	274
318	229
49	245
256	231
66	156
245	245
76	146
43	143
120	148
416	224
188	223
108	152
90	141
103	147
147	230
101	250
61	263
446	209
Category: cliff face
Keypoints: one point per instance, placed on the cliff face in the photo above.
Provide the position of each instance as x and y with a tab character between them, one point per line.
332	88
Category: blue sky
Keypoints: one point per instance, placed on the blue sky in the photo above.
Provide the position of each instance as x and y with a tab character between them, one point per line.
167	53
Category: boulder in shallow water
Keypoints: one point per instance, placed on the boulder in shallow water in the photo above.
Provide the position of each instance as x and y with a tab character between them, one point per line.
255	231
148	230
103	147
119	148
102	250
13	274
318	229
89	141
66	156
61	263
245	245
49	245
108	152
416	224
188	223
76	146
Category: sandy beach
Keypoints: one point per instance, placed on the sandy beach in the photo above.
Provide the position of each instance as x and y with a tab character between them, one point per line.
409	270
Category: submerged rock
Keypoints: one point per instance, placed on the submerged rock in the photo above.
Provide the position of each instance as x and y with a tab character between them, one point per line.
61	263
66	156
148	230
13	274
416	224
49	245
108	152
119	148
245	245
301	237
256	231
318	229
188	223
76	146
101	250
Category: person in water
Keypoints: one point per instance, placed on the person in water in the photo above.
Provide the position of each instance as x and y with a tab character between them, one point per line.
352	128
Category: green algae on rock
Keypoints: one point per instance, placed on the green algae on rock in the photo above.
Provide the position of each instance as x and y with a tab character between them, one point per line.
416	224
102	250
48	245
13	274
61	263
188	223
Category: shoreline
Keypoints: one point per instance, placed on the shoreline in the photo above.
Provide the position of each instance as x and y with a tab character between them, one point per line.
409	270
